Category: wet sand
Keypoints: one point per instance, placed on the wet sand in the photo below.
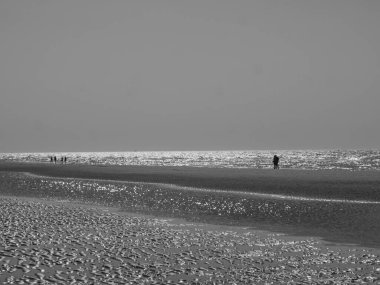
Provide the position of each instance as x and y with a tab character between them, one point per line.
51	242
339	184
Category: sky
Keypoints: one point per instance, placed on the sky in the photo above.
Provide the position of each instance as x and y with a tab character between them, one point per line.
91	75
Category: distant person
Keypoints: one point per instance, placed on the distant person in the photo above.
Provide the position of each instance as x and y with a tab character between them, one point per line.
55	160
61	159
276	159
65	159
51	159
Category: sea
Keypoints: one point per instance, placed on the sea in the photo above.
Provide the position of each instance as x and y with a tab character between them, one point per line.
348	159
334	220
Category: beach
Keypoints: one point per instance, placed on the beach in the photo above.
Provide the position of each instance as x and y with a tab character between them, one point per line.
76	227
324	183
52	242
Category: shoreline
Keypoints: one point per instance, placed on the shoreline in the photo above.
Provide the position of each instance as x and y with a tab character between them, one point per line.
338	184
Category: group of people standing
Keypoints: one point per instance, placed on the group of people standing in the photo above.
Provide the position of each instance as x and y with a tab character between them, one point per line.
54	159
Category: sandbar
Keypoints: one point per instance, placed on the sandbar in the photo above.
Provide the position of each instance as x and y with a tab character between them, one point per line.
339	184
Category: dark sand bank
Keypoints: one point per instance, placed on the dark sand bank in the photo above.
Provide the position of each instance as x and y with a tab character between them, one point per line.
339	184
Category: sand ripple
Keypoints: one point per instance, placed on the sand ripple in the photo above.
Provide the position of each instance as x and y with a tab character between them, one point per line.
52	243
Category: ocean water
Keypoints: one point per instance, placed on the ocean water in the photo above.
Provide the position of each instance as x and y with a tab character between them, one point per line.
296	159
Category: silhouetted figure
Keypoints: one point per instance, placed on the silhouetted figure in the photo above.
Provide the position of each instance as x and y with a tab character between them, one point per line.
51	159
276	159
55	160
65	159
61	159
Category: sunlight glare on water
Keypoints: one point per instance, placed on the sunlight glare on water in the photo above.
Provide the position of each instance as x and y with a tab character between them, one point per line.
295	159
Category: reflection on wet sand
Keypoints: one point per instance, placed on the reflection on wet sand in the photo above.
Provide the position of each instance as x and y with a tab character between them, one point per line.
335	220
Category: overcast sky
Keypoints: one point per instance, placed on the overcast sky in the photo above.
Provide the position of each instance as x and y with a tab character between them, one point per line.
88	75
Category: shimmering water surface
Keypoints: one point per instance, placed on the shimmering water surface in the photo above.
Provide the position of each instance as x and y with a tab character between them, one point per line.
300	159
335	220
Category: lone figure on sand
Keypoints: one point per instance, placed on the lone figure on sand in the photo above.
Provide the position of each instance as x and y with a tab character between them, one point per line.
276	159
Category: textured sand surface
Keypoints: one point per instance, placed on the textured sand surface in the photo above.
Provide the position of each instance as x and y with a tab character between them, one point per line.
48	242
